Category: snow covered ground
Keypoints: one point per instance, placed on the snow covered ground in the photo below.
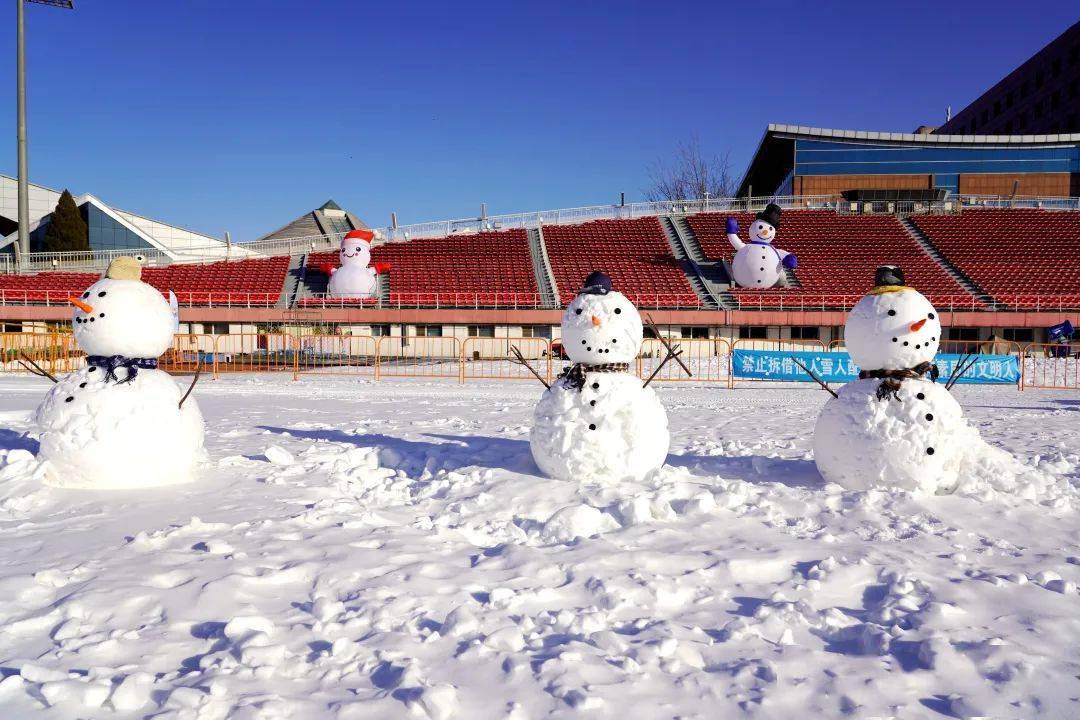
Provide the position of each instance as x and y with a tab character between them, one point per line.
371	550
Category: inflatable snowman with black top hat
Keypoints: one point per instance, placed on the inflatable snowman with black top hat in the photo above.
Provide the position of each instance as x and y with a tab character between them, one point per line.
356	277
894	426
119	422
596	423
757	264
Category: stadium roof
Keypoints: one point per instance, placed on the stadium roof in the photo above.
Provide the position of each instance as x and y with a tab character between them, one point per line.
775	154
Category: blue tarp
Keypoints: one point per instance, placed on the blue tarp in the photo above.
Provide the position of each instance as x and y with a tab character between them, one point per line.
837	367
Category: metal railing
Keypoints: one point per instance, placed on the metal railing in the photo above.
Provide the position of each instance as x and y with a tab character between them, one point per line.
796	300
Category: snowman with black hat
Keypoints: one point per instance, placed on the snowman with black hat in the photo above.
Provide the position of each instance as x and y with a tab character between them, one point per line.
597	423
895	426
757	264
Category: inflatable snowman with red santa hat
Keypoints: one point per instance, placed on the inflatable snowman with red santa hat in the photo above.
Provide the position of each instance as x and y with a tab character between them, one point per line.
356	276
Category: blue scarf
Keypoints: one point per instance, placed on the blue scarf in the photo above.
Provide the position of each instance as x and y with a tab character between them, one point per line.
112	362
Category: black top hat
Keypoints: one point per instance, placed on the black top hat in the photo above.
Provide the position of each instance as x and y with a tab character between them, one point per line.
889	275
597	283
771	215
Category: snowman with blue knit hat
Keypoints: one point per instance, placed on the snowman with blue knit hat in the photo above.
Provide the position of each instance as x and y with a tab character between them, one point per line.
120	422
597	423
757	263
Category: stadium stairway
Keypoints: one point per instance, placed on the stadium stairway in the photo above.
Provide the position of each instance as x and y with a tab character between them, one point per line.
937	256
292	281
715	274
545	278
309	284
690	260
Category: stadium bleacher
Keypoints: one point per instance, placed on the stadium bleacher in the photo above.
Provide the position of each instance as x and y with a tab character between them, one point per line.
837	254
1012	253
250	282
1022	258
634	253
491	269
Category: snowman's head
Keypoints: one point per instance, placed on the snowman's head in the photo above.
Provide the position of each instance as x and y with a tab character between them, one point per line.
356	248
763	229
601	325
892	328
121	315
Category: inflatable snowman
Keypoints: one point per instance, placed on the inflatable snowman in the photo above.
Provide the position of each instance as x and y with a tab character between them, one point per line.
597	423
355	279
757	264
894	427
118	422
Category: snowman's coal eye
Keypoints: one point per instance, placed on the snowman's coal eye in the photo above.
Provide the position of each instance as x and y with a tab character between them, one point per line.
86	294
578	311
931	316
618	311
892	312
101	294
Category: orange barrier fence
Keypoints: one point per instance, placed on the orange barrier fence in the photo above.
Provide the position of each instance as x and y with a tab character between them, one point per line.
424	357
1042	366
492	358
54	352
1051	366
709	359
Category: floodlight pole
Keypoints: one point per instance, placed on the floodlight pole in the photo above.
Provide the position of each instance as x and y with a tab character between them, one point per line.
23	246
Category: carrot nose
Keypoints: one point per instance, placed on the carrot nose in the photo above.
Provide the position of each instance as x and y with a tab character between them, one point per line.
81	305
595	321
916	326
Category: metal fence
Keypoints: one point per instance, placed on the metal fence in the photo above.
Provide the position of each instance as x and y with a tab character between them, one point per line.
1043	366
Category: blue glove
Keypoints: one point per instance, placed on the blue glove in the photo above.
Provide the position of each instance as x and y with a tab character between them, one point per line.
732	226
790	262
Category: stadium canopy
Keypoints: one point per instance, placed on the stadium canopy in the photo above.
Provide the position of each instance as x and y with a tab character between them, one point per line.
790	154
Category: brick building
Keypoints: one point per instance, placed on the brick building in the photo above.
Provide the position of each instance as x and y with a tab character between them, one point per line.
1042	96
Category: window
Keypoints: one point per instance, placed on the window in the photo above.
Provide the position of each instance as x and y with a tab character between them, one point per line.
985	117
380	330
11	327
1074	54
536	331
961	333
805	332
1055	67
997	108
1019	335
1055	100
1038	111
648	333
216	328
482	331
753	332
1009	99
1008	127
1021	120
1024	89
1038	79
429	331
694	333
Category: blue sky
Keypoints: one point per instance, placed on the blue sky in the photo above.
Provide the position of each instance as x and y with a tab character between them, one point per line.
240	115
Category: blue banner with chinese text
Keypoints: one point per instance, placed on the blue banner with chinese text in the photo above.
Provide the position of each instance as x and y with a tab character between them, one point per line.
837	367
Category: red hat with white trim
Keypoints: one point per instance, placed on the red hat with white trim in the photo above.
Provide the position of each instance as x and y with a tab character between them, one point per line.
365	235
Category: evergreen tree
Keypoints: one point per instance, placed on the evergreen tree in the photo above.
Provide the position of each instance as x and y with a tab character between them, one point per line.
67	230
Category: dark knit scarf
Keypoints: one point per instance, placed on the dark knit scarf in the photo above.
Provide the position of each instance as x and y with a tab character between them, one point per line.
574	376
111	362
890	385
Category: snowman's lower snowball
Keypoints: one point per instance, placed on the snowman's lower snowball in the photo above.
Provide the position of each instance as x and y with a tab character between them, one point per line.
917	442
615	431
102	435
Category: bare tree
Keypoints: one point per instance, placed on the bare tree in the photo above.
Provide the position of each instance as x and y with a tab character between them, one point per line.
690	175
